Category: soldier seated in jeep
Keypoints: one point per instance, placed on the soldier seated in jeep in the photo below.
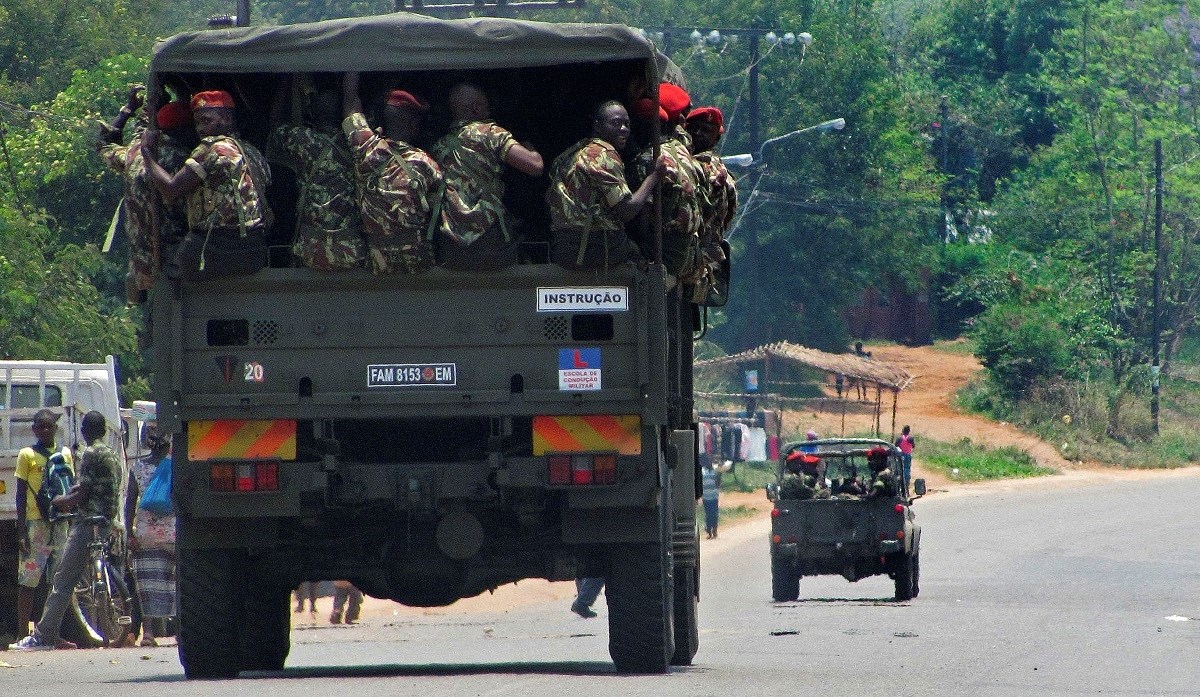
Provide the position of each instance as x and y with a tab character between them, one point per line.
803	479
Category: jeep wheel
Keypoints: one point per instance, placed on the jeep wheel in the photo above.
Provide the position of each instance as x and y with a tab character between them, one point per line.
266	631
916	582
904	576
785	580
687	630
210	609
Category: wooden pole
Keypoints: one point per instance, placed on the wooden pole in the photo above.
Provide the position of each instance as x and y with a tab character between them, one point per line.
895	398
879	409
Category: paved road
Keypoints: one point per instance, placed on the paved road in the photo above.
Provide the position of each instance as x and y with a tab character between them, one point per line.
1070	591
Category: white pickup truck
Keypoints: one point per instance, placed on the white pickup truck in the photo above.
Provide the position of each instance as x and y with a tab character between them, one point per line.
70	389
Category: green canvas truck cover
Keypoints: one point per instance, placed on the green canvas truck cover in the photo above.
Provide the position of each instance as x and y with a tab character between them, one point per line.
405	41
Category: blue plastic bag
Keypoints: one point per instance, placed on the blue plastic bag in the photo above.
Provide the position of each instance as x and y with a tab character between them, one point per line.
157	496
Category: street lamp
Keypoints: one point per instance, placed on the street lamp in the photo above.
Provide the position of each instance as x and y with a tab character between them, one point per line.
749	160
750	333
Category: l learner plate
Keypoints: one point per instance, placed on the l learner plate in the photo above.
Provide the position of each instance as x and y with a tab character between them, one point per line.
412	375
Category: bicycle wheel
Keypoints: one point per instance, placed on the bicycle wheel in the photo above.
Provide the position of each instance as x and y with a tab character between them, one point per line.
105	604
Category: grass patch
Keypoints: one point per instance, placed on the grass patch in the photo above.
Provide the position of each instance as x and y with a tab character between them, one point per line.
727	513
956	347
748	476
975	462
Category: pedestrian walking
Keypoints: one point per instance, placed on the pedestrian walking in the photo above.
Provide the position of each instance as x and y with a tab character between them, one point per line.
587	589
711	494
906	443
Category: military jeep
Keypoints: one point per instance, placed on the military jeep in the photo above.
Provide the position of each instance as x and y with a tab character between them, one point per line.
843	529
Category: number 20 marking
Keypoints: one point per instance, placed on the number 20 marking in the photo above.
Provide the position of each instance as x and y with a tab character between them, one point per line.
254	372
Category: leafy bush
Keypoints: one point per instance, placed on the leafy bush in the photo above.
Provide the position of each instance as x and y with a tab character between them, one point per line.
1021	346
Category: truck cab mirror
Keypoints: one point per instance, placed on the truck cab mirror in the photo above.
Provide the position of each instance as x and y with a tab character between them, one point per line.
919	487
772	491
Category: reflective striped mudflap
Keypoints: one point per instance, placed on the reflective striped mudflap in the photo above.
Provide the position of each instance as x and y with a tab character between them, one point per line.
241	439
574	434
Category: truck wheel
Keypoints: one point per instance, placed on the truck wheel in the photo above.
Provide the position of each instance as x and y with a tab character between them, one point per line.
916	584
904	576
210	610
640	609
266	628
687	629
785	580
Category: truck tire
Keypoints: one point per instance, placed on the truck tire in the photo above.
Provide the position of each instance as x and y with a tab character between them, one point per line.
640	609
687	629
916	582
904	576
266	628
210	610
785	580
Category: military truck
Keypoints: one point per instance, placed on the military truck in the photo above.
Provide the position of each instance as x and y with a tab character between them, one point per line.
838	532
70	390
429	437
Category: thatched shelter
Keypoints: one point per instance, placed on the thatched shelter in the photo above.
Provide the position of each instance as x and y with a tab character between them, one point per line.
855	369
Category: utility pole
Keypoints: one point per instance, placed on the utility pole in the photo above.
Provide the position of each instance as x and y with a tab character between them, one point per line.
752	332
1158	212
243	13
944	146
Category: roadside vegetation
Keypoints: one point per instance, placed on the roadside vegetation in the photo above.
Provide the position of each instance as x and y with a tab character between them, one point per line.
967	461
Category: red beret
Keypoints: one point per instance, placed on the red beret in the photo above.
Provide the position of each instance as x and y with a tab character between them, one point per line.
173	115
644	109
673	99
708	113
405	100
212	99
877	452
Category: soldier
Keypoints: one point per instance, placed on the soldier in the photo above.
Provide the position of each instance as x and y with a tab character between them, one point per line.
472	155
399	184
177	140
803	478
681	191
882	481
589	199
717	207
328	225
223	181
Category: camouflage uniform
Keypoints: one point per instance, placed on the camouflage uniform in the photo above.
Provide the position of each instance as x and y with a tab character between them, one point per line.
126	160
471	155
682	191
587	182
100	467
882	483
328	225
230	201
803	486
399	188
717	208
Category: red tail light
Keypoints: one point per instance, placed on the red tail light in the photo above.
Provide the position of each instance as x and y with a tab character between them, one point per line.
266	476
605	468
899	508
560	470
243	476
220	477
582	470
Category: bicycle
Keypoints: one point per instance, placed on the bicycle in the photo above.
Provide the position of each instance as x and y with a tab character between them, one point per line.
105	604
